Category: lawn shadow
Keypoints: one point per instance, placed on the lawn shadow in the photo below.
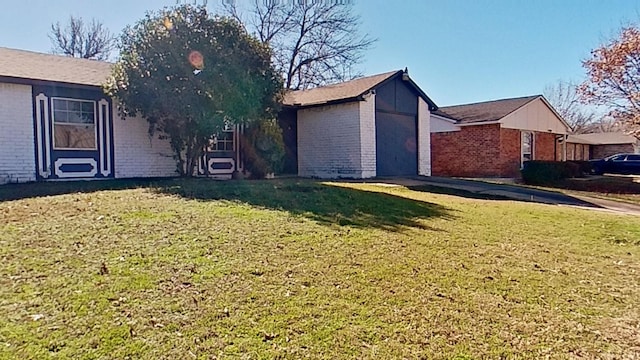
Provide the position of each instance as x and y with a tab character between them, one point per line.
10	192
322	202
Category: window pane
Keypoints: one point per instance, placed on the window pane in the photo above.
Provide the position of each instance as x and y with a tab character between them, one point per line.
74	105
60	116
59	104
633	157
74	137
87	107
75	118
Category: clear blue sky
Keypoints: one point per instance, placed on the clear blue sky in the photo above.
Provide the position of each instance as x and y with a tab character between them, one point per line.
458	51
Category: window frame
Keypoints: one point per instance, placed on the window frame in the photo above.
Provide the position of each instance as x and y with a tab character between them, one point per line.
94	124
531	152
214	147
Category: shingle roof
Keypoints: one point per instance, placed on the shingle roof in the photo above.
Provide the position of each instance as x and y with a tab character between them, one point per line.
23	64
345	90
577	139
605	138
484	111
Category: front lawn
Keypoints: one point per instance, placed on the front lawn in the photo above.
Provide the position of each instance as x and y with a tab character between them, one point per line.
180	269
620	188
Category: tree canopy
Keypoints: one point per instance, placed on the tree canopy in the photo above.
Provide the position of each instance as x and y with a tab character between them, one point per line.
613	72
190	75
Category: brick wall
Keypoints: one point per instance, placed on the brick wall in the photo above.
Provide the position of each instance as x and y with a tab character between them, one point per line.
474	151
424	138
484	151
543	147
602	151
329	142
576	151
368	137
17	149
136	154
510	153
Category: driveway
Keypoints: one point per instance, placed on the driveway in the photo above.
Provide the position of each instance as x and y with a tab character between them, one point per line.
518	193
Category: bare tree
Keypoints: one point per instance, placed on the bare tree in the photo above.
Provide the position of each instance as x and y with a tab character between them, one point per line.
564	98
77	39
314	42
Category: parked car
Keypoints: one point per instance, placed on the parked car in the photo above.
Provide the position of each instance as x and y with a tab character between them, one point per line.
617	164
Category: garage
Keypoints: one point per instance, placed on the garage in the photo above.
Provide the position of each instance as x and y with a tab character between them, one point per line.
396	129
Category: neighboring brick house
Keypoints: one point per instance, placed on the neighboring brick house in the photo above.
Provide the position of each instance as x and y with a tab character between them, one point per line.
494	138
600	145
371	126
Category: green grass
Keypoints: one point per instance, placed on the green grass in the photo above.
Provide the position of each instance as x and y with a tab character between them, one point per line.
181	269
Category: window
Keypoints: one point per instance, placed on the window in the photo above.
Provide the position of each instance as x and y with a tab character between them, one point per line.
74	124
223	141
527	146
633	157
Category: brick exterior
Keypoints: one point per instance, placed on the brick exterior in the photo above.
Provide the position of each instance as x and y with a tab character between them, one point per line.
510	153
470	152
543	147
330	140
576	151
17	149
602	151
368	137
484	151
424	138
136	154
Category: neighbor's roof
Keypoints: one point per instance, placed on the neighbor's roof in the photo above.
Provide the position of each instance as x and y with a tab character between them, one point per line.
21	64
350	90
605	138
577	139
487	111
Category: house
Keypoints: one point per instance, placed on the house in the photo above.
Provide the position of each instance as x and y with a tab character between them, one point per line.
372	126
495	138
58	124
600	145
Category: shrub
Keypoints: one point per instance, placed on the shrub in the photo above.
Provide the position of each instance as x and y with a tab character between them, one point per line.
263	148
586	167
538	172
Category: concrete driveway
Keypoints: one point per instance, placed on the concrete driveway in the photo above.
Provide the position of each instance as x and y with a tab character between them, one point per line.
518	193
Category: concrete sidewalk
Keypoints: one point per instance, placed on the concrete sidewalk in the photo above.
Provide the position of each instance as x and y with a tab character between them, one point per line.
518	193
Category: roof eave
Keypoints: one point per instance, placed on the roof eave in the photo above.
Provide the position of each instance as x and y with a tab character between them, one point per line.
491	122
324	103
31	81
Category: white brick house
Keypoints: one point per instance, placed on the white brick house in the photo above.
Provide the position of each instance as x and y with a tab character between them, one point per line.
58	124
372	126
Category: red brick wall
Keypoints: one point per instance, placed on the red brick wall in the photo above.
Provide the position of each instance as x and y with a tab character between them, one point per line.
543	147
510	153
474	151
484	151
575	151
602	151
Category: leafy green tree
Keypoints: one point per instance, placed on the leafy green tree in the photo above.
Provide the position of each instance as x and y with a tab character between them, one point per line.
190	75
